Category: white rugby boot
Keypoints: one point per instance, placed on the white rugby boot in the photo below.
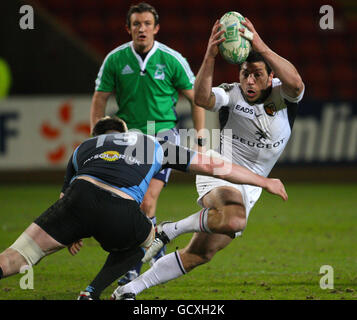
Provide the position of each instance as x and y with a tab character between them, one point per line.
161	239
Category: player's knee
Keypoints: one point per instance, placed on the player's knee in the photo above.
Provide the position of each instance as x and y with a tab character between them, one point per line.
5	261
235	218
11	262
149	240
237	223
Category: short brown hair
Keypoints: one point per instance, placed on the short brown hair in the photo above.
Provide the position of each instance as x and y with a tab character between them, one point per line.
257	57
109	124
140	8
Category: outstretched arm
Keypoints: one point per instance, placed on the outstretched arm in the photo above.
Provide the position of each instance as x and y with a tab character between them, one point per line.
221	169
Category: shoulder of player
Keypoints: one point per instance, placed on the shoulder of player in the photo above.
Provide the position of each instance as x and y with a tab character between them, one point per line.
169	52
229	86
85	145
277	90
116	52
276	82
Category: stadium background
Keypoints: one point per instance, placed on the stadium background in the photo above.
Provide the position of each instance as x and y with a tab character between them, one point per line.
47	78
53	68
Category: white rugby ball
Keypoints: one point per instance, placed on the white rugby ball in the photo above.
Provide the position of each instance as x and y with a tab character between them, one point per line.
235	49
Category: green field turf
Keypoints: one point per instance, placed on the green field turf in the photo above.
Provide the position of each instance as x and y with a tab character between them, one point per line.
278	257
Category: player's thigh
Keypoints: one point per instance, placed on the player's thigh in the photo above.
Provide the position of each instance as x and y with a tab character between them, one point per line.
120	225
43	239
222	196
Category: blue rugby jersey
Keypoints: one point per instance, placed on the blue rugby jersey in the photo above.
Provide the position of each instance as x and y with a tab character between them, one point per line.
126	161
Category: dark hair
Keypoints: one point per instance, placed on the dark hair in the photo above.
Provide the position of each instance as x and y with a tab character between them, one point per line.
140	8
257	57
109	124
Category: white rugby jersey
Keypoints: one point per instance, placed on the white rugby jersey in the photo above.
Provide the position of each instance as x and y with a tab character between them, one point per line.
259	132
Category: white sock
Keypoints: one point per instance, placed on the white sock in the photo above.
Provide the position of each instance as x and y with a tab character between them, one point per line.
167	268
196	222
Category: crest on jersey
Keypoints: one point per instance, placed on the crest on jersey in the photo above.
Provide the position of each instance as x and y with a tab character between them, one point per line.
270	109
261	135
160	72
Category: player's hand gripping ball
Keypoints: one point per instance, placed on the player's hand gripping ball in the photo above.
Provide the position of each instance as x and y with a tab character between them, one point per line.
235	49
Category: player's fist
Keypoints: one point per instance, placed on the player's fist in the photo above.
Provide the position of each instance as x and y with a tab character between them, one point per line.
252	35
214	40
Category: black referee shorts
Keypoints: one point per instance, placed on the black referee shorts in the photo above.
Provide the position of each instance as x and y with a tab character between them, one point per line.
89	211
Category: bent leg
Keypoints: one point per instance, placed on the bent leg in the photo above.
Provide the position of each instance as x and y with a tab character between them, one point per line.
117	264
148	206
224	213
43	239
202	248
28	249
227	214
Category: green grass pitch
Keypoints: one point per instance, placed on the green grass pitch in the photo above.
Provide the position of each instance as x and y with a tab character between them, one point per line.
278	257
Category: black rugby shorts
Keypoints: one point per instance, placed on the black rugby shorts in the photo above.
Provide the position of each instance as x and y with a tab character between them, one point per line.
89	211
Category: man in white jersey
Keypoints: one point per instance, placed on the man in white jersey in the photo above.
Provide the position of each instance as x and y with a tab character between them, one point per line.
260	112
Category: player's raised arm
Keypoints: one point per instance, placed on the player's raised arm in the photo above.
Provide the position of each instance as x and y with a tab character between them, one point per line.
203	84
221	169
292	83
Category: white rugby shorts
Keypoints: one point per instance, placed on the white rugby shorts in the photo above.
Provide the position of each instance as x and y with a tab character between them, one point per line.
250	194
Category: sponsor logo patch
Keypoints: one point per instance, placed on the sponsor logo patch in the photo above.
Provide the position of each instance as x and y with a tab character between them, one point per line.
110	156
244	111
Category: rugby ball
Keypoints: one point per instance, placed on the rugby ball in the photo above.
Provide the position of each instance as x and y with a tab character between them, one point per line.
235	49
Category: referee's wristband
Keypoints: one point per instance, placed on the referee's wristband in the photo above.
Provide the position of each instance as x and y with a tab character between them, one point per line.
201	141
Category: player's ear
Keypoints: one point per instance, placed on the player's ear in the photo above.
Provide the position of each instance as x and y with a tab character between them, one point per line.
270	78
127	29
156	28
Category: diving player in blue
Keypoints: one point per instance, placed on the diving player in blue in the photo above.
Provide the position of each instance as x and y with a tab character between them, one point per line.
126	161
105	181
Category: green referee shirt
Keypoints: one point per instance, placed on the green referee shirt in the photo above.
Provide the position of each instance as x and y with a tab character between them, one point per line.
145	90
